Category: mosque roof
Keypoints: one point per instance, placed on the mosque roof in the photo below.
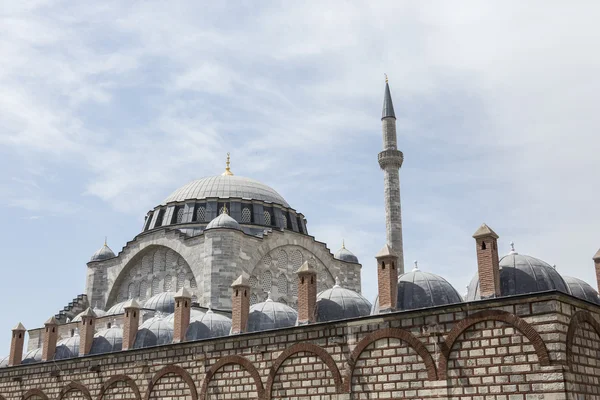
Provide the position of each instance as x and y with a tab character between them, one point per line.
344	254
341	303
582	289
107	340
223	220
271	315
163	302
104	253
208	325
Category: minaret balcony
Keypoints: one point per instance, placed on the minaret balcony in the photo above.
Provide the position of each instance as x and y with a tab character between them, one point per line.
390	158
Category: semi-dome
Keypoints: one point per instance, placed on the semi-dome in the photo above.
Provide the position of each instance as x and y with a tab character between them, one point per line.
271	315
32	356
223	220
154	332
522	274
582	289
340	303
208	325
418	289
116	309
67	348
226	186
163	302
104	253
99	313
344	254
108	340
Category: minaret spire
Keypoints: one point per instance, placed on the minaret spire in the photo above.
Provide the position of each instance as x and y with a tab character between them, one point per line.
390	161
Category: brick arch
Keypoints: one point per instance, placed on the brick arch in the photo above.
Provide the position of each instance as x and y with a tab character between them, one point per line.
492	315
307	348
393	333
233	359
172	369
120	378
576	320
75	386
34	392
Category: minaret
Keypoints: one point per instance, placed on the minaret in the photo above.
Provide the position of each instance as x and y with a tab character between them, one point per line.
390	161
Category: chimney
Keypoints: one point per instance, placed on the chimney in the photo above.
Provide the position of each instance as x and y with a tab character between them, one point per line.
488	264
183	303
131	321
87	328
240	305
50	336
307	293
16	345
387	279
596	259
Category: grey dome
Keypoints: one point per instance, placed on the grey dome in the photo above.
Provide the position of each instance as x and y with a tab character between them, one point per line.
223	220
194	313
522	274
104	253
154	332
226	186
99	313
163	302
582	289
340	303
107	340
32	356
116	309
209	325
4	362
67	348
418	289
344	254
271	315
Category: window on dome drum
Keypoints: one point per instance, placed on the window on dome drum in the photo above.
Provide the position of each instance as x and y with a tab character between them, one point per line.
161	215
178	214
285	222
222	208
147	222
201	214
267	218
288	221
246	215
300	225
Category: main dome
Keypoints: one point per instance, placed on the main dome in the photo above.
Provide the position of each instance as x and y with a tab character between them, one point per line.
226	186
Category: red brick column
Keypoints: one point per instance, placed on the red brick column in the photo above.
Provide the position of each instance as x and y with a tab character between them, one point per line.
131	321
87	328
488	264
50	336
16	345
240	305
387	279
307	293
183	303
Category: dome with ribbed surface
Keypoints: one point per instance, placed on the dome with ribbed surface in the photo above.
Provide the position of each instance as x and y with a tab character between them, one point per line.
104	253
522	274
194	313
226	186
340	303
418	289
344	254
116	309
32	356
163	302
154	332
223	220
4	362
209	325
108	340
271	315
67	348
582	289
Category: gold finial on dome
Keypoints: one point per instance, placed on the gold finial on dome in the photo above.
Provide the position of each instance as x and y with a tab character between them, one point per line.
343	244
227	169
386	78
225	211
105	238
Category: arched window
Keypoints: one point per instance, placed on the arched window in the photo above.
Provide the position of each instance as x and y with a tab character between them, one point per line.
193	283
168	283
253	282
282	285
201	214
180	280
131	290
143	289
253	299
159	220
266	281
155	286
246	216
267	217
285	222
179	218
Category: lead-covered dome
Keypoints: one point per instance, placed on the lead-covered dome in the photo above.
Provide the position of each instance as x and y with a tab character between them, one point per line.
223	221
226	186
154	332
522	274
163	302
67	348
104	253
582	289
107	340
418	289
116	309
208	325
340	303
271	315
344	254
32	356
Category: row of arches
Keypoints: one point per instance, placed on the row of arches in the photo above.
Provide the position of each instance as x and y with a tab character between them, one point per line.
341	380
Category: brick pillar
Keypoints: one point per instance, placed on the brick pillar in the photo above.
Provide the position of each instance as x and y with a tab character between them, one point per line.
16	345
488	264
240	305
50	336
387	279
307	293
87	328
596	259
183	303
131	321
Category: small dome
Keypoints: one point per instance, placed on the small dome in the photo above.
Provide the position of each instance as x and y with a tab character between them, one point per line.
224	221
4	362
99	313
154	332
67	348
582	289
340	303
344	254
209	325
116	309
271	315
107	340
33	356
418	289
104	253
194	313
521	274
163	302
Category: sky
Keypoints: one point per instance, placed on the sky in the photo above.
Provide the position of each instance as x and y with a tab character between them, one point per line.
107	107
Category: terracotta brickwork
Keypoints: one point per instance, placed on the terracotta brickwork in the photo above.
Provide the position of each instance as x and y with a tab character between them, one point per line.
543	346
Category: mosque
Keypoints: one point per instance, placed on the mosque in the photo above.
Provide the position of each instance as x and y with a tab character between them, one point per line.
224	294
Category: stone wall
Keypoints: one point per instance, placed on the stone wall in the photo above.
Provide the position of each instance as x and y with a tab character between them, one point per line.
520	348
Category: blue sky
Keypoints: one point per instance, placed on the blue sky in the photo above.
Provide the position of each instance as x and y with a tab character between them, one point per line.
107	107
